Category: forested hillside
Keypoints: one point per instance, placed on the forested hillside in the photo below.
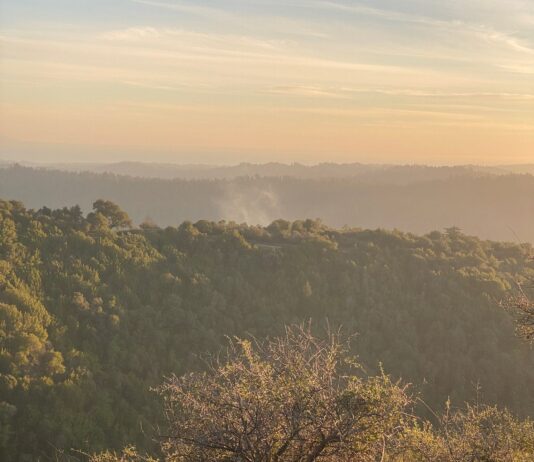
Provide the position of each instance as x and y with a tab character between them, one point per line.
412	199
93	314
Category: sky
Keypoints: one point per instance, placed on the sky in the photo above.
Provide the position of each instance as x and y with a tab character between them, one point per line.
226	81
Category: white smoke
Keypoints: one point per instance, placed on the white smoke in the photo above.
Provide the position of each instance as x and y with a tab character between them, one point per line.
254	204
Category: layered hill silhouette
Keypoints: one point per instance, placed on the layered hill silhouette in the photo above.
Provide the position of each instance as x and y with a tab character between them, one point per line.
413	199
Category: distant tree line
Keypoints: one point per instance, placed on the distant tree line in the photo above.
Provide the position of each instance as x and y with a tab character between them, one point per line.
412	199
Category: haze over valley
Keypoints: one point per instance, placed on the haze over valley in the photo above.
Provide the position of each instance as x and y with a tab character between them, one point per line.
488	202
266	231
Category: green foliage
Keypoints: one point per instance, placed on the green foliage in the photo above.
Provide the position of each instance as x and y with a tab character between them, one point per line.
108	213
92	317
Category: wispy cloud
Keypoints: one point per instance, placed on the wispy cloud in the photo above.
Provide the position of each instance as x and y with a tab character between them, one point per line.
519	68
180	38
347	92
152	86
132	34
300	72
480	30
509	41
275	24
306	91
187	7
247	54
387	14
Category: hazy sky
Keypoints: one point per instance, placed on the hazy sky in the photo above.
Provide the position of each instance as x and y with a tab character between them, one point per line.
434	81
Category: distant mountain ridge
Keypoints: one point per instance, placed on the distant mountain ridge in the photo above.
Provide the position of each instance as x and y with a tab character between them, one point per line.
371	172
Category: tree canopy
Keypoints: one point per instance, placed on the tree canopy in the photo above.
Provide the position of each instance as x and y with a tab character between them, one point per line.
92	315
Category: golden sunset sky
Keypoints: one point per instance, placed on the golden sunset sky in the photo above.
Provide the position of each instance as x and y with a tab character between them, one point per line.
427	81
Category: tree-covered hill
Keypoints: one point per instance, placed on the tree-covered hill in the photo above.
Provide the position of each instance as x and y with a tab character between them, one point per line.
412	199
384	173
93	314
